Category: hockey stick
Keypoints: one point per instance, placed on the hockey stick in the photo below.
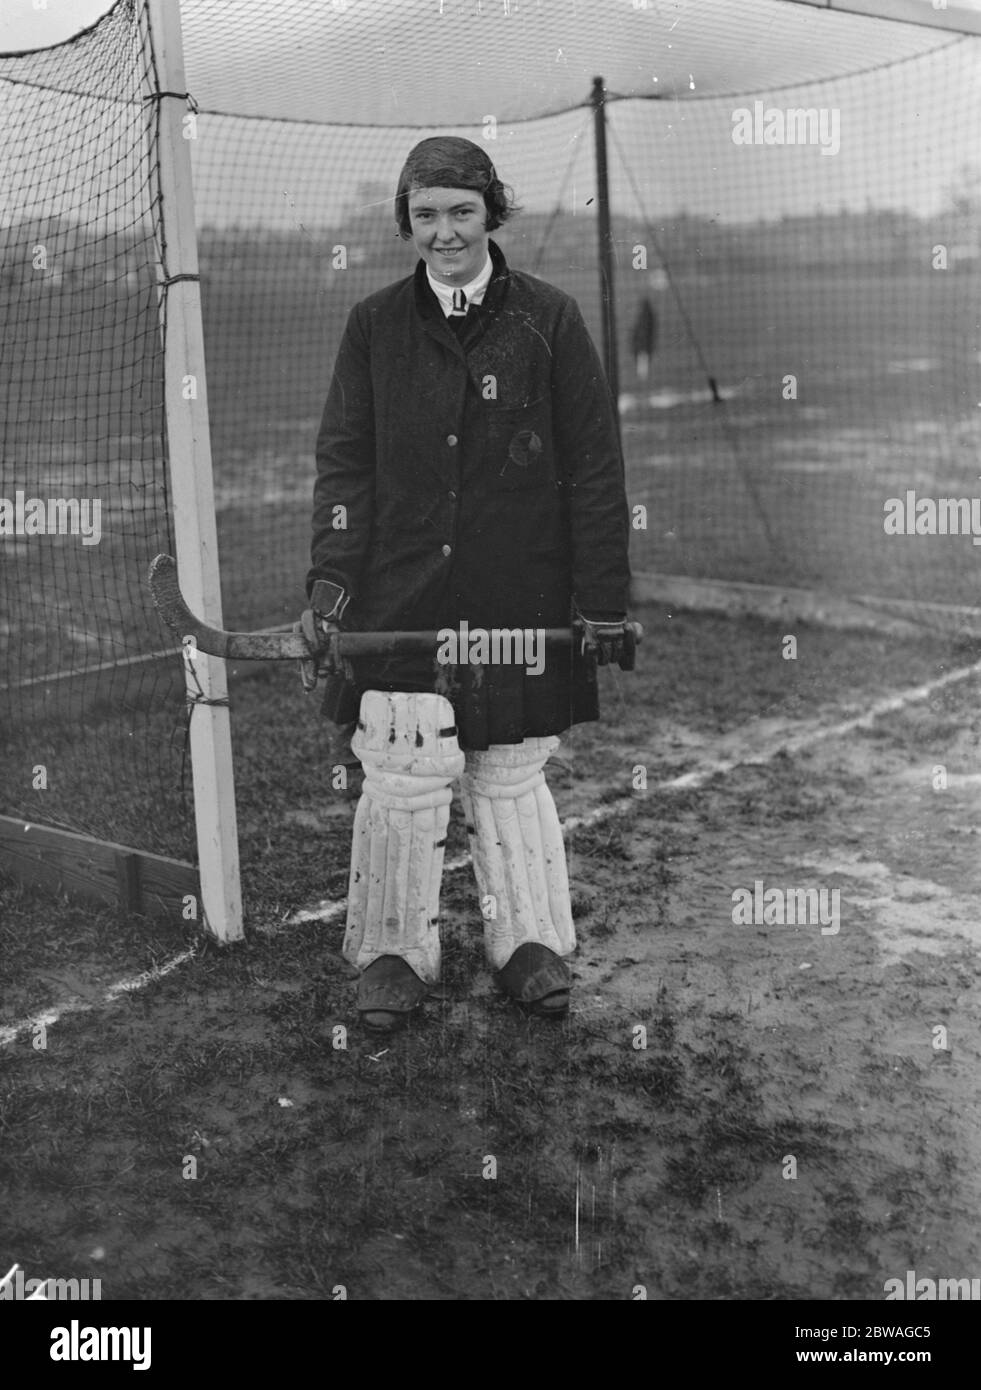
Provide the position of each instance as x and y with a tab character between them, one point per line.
291	646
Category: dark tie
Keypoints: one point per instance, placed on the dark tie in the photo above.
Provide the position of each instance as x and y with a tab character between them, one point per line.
459	304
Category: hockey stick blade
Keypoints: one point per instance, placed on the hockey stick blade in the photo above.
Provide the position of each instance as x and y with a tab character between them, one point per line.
233	646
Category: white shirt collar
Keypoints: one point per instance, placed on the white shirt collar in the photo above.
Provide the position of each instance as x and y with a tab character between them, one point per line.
474	290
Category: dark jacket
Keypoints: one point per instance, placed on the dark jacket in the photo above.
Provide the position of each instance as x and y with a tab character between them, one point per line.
481	480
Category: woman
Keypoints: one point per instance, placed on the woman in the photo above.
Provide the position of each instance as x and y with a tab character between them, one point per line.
469	472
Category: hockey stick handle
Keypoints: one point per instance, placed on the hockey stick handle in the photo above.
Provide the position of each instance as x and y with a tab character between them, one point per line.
409	643
291	646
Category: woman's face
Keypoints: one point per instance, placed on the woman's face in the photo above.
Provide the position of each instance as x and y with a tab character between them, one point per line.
449	232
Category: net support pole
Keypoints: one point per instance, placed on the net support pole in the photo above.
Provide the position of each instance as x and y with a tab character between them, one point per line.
192	490
607	303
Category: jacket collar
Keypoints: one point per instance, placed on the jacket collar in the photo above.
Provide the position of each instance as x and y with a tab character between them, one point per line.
428	307
474	290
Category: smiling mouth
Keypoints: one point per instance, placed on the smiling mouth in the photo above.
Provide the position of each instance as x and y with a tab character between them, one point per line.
449	250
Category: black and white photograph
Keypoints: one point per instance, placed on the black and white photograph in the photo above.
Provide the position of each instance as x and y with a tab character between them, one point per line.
490	664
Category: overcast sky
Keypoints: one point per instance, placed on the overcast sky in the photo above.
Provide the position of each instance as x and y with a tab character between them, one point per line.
23	26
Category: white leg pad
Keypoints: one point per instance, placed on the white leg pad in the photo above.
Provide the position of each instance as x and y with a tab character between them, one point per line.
409	763
518	851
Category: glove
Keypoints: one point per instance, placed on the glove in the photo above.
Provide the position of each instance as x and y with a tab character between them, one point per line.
603	636
319	624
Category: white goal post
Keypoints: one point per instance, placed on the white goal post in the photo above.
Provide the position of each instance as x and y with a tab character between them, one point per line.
190	471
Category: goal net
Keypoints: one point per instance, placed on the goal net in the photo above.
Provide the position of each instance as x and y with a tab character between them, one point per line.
794	200
92	719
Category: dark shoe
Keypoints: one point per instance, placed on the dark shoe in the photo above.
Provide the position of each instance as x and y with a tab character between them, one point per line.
538	980
388	992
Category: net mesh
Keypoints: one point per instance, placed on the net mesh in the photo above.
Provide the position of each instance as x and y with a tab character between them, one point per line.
91	731
792	355
451	62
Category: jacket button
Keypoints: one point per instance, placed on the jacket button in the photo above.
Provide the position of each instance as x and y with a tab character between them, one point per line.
447	550
451	439
451	496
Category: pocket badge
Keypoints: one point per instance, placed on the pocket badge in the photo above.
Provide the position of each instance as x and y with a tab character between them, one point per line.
525	448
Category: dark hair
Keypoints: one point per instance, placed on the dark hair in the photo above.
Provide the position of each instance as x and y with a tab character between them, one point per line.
449	161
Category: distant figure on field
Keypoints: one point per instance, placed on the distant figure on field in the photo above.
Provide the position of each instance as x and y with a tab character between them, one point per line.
643	338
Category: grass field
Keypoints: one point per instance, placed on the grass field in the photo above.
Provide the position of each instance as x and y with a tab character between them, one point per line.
668	1167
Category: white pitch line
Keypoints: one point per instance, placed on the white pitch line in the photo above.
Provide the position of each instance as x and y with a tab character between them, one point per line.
794	743
816	732
51	1016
